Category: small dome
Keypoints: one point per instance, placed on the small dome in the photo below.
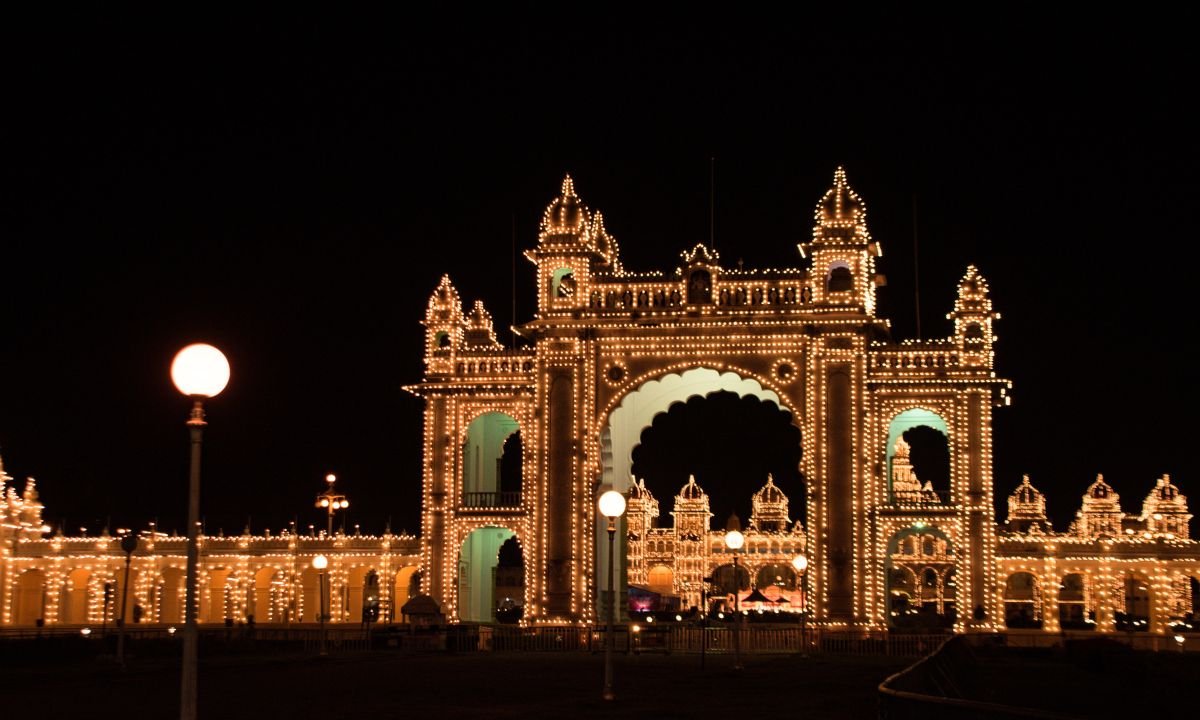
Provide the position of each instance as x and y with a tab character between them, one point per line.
770	493
841	205
566	214
692	491
638	491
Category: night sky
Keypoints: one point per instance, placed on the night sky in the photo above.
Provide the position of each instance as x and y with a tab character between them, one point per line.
292	188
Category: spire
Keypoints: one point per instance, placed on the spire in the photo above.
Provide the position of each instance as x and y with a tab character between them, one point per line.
481	331
841	207
444	304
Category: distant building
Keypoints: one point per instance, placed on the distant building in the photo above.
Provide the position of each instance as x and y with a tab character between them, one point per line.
266	578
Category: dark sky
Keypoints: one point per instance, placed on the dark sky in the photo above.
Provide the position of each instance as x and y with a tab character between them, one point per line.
291	189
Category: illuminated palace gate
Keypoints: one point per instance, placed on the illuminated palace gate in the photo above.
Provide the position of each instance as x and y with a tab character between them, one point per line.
518	443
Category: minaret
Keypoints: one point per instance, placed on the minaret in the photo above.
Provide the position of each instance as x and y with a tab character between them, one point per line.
641	509
973	317
842	250
445	328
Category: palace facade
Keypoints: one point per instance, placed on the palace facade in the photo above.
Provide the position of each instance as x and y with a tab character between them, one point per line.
263	578
520	441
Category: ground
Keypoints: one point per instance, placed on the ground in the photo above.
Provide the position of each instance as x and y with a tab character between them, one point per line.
386	685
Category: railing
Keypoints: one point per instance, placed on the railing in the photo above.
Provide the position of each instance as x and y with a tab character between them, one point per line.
941	359
483	500
924	498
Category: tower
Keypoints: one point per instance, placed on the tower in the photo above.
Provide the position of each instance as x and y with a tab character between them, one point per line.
842	250
691	518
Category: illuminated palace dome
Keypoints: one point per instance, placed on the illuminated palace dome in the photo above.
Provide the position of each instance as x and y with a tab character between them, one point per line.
769	508
566	217
692	491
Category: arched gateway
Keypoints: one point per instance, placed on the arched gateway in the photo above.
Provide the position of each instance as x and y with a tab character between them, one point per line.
609	349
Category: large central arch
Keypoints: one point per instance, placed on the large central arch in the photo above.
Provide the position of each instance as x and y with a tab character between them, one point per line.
622	430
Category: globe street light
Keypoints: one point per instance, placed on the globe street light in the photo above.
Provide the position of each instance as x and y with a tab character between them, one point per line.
319	564
734	540
199	371
800	562
331	502
612	506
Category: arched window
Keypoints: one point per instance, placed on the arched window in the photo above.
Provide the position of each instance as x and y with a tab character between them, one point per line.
840	279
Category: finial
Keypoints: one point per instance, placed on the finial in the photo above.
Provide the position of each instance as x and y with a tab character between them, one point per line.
568	186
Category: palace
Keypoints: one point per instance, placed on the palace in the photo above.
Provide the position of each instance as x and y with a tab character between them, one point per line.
245	578
519	442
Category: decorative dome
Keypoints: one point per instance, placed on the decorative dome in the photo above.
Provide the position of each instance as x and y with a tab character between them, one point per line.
604	244
638	491
692	491
841	206
566	215
770	493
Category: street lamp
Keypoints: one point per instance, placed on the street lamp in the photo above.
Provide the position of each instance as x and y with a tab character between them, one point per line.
319	564
734	540
199	371
800	562
129	543
612	506
331	502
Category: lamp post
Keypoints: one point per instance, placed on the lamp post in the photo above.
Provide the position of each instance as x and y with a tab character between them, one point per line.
200	372
800	562
129	543
612	506
734	540
331	502
319	564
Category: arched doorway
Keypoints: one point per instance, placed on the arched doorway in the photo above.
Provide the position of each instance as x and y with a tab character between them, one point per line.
661	579
491	462
1073	610
214	605
29	598
1136	594
920	586
360	582
918	458
406	585
270	600
477	573
637	411
73	608
1022	601
173	596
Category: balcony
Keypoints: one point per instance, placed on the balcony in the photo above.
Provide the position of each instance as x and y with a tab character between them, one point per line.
490	500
